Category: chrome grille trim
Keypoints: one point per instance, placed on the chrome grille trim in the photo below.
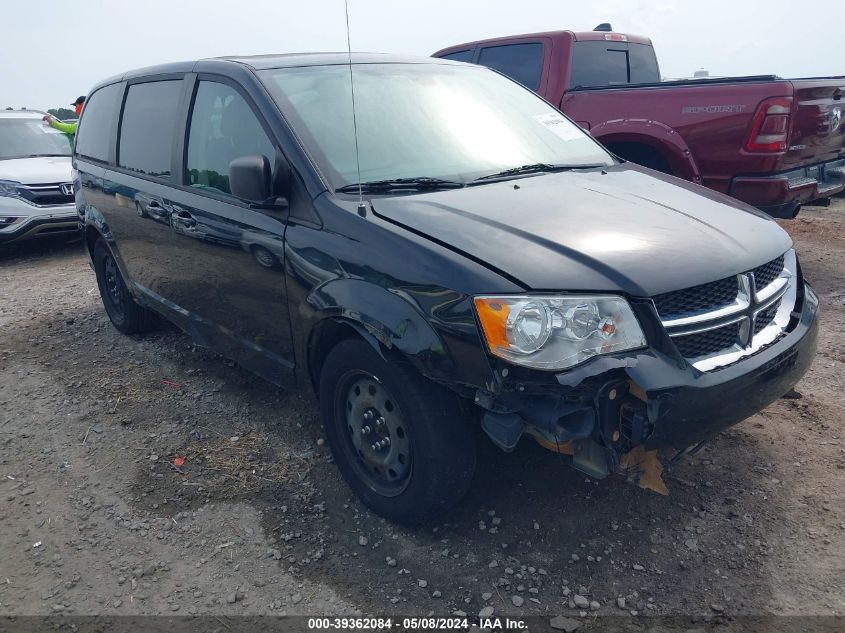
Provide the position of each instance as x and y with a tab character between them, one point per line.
46	195
747	306
715	321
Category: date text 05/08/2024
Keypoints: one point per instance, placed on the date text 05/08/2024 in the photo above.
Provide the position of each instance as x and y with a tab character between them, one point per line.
414	624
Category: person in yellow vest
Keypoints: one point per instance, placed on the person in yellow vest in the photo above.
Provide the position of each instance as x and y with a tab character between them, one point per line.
67	128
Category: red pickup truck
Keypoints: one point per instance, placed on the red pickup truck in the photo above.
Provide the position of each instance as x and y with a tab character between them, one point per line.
771	142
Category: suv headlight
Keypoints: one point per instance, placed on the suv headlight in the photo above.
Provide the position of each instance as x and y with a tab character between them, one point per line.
9	189
548	332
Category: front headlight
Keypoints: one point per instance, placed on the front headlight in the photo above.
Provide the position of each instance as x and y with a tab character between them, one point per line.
9	188
545	332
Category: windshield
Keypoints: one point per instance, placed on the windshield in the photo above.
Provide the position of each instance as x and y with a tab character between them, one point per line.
441	121
21	138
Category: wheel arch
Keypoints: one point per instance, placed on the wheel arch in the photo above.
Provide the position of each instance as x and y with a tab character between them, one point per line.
654	136
390	323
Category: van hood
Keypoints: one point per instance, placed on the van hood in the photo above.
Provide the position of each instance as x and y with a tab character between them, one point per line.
623	229
37	170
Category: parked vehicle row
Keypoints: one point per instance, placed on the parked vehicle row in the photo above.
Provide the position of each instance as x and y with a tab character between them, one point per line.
457	255
36	182
773	143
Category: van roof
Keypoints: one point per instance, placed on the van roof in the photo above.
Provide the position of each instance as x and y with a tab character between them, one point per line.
261	62
283	60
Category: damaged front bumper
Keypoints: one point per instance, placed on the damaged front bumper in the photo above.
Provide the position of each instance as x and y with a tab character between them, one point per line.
614	413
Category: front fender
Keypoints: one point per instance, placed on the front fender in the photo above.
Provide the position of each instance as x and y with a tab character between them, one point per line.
436	332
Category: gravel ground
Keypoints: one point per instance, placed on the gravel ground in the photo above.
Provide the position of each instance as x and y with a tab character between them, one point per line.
100	515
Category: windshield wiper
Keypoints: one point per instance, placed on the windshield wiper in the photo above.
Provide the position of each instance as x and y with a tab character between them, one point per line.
394	184
535	168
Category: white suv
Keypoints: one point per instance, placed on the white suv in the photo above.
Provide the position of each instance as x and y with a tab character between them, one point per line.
36	181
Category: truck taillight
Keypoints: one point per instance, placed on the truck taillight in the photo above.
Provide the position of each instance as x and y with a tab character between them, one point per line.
770	126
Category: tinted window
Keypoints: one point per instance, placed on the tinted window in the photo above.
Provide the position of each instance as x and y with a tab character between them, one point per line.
223	128
149	126
459	56
520	62
597	63
643	64
97	123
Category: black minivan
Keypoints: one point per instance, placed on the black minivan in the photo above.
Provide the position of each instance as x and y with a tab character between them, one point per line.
447	253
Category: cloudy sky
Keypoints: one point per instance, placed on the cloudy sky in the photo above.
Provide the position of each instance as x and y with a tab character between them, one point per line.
54	51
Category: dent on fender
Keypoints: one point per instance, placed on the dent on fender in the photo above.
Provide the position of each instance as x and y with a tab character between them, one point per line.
383	314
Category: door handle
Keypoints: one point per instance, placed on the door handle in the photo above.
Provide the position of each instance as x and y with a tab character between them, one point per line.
154	205
183	217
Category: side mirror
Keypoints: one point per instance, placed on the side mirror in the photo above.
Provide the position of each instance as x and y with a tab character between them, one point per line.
250	178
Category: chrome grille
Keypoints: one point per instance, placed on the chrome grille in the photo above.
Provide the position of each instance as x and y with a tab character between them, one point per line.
49	195
713	325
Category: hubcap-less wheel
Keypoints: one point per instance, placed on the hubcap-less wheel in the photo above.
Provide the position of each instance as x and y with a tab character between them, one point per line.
113	284
376	433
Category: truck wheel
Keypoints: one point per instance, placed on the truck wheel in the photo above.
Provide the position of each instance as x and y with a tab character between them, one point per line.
400	441
125	314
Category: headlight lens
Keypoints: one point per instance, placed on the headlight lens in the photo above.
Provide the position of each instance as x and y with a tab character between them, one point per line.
545	332
8	188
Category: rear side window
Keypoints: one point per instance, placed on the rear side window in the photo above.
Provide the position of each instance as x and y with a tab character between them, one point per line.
520	62
98	119
149	126
597	63
223	127
459	56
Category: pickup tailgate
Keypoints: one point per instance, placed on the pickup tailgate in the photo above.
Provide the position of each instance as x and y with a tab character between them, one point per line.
818	125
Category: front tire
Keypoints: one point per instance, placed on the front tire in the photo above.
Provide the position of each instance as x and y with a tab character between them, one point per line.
125	314
400	441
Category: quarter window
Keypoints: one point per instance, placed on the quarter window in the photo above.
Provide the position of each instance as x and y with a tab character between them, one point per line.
97	123
149	127
223	127
520	62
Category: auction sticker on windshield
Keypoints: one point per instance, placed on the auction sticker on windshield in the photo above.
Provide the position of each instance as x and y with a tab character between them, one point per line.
560	125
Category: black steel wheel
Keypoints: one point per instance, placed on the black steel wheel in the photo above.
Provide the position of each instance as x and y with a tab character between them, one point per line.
379	438
125	314
401	441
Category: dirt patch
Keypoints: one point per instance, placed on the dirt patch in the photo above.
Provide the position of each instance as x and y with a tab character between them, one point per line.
92	421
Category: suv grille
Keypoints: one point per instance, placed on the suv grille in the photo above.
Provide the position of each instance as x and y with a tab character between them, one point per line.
46	195
718	323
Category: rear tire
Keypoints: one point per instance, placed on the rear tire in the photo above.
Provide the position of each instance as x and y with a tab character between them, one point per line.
428	461
125	314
